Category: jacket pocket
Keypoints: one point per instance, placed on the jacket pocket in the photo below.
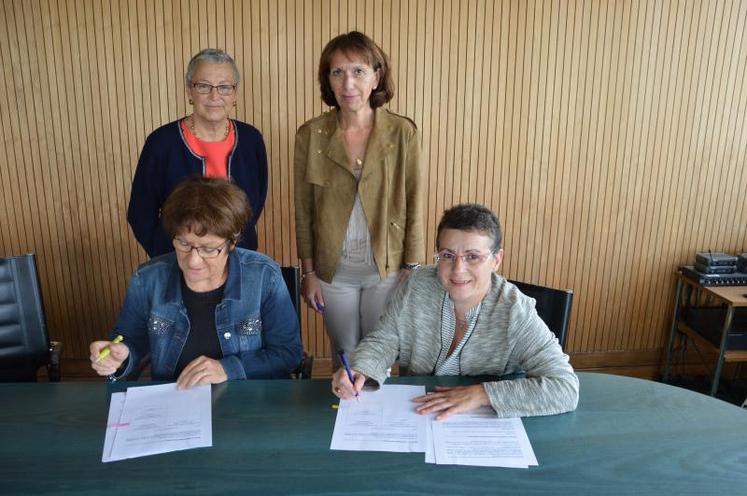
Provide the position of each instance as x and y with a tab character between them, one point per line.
250	334
396	236
158	326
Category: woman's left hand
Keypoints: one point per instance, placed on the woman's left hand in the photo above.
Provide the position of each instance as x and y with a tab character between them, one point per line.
201	370
447	401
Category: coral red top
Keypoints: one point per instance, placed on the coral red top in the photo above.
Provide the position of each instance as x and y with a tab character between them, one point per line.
215	153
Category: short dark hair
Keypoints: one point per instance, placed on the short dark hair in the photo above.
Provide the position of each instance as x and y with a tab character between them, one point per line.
357	43
204	205
472	217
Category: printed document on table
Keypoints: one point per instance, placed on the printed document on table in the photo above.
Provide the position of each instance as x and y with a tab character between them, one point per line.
383	420
158	419
480	438
116	403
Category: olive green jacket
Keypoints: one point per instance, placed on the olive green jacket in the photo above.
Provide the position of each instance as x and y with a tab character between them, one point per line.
390	190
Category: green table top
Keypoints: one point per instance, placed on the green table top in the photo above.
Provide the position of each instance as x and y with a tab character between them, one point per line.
628	436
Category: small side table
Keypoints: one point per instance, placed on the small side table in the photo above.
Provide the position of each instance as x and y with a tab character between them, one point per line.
710	325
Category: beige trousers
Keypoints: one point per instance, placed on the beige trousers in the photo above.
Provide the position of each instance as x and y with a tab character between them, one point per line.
353	304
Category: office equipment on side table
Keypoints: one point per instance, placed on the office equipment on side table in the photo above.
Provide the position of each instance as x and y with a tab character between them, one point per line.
742	262
715	269
714	318
715	259
24	343
732	279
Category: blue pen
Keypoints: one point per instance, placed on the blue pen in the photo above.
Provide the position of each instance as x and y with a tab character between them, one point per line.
344	360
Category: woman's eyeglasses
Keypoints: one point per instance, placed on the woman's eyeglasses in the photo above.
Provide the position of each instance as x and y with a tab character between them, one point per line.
446	257
206	88
203	251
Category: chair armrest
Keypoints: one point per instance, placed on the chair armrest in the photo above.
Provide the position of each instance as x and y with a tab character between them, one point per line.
304	369
53	368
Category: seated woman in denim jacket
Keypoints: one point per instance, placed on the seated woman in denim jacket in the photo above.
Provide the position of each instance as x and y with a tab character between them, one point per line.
208	312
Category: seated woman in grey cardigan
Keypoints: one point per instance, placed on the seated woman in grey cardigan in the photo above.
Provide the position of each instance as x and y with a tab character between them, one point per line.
458	317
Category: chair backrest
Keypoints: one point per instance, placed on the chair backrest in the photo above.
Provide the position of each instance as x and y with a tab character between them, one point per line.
24	344
553	306
292	278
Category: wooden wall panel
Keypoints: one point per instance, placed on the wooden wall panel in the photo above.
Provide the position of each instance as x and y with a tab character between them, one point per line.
608	135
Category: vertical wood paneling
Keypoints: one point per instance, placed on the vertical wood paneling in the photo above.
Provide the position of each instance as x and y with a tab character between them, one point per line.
609	136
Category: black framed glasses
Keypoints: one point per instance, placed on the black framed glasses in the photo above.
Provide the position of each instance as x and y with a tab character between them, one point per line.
203	251
206	88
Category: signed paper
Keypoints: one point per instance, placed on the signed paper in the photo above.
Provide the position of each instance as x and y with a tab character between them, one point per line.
383	420
480	438
157	419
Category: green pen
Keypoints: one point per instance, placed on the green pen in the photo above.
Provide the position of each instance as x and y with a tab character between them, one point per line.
106	350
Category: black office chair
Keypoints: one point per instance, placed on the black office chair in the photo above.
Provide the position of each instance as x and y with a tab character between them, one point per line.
292	277
553	306
24	344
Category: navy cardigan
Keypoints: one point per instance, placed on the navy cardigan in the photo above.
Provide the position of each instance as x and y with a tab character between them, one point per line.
166	160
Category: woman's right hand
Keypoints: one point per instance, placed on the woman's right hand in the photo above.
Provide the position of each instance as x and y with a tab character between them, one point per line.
311	291
117	355
341	386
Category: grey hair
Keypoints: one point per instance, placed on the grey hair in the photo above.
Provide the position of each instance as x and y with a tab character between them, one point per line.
211	56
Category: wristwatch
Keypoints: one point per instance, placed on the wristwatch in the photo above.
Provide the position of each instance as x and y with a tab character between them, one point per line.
409	266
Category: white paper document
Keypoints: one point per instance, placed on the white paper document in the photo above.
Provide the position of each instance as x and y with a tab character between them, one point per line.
480	438
383	420
148	420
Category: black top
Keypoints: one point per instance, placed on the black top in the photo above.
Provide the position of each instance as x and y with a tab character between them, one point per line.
203	336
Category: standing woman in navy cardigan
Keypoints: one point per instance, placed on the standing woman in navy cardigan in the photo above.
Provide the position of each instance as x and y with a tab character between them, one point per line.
205	143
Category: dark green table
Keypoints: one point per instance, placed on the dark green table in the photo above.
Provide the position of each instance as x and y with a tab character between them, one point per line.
628	436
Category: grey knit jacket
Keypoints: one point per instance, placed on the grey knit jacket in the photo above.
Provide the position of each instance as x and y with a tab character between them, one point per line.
509	337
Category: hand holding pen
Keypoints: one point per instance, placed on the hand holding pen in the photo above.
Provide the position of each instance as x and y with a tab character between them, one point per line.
344	383
311	291
107	349
107	356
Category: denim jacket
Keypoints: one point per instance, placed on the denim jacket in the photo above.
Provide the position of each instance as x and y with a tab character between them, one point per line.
256	322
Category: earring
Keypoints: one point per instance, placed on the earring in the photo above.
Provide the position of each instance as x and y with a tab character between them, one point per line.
191	102
234	104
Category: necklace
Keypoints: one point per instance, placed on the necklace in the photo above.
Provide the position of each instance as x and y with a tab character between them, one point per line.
355	138
191	126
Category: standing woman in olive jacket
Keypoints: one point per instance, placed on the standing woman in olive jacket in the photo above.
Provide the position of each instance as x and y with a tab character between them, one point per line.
358	193
205	143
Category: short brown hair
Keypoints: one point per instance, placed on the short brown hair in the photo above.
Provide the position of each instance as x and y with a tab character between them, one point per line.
357	43
204	205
